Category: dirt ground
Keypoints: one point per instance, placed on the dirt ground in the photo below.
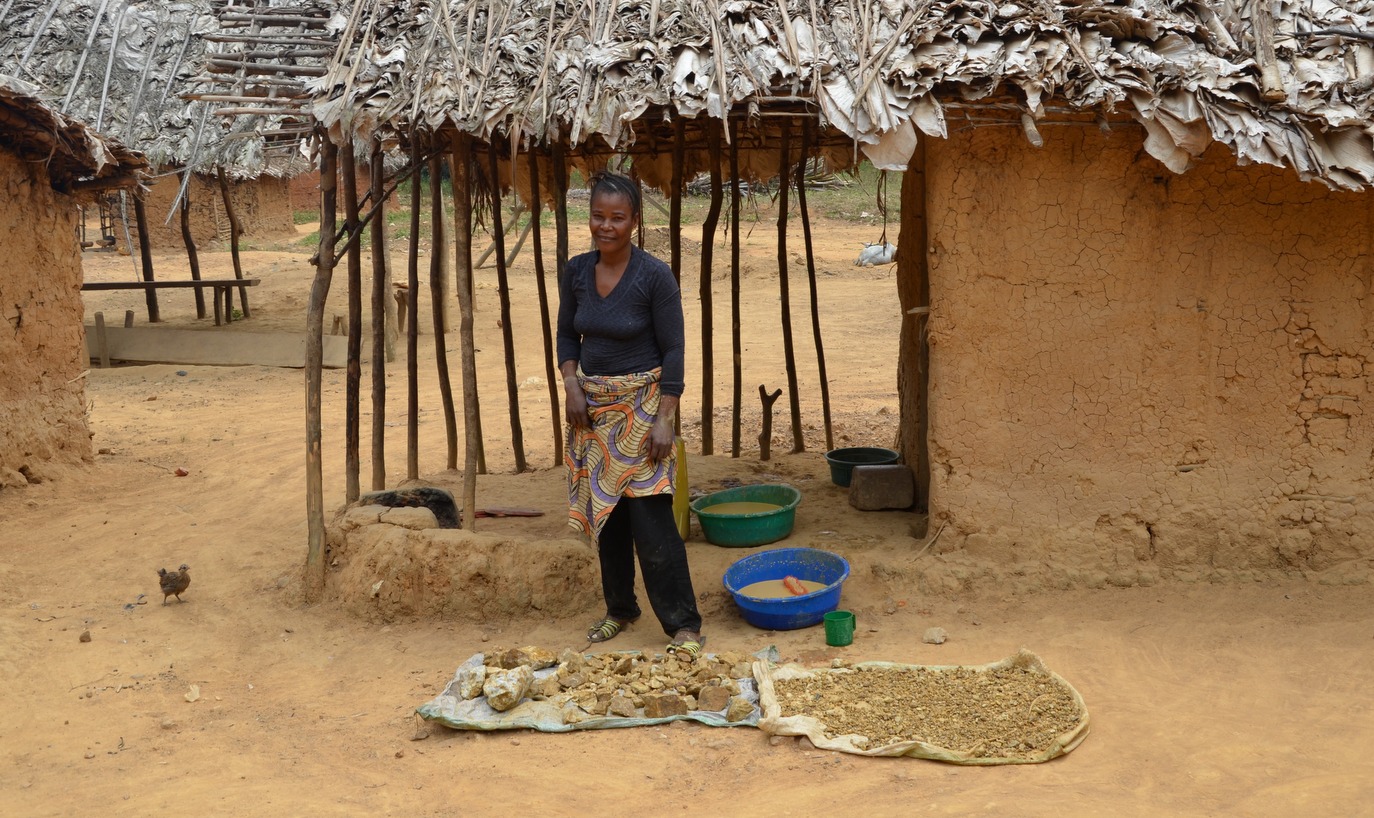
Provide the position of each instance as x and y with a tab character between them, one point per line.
1206	700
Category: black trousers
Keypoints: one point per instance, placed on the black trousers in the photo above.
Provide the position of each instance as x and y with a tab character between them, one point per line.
646	525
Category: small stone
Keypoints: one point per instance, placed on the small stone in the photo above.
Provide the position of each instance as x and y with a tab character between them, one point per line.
515	742
539	658
572	714
546	687
664	705
713	698
739	709
505	688
805	743
85	636
774	741
90	755
486	638
572	680
935	636
168	724
400	753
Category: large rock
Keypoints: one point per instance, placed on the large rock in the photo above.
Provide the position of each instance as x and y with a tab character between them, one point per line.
469	681
505	688
739	709
714	698
664	705
875	488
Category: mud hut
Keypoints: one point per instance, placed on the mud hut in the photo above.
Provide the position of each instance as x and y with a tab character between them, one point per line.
127	68
1135	261
48	163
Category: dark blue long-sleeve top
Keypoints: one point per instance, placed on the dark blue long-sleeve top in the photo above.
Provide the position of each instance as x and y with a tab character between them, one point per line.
636	328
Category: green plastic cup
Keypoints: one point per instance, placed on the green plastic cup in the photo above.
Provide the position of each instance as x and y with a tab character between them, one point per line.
839	628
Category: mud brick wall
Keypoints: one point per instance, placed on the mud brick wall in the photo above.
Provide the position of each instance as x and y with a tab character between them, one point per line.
263	206
1138	375
42	346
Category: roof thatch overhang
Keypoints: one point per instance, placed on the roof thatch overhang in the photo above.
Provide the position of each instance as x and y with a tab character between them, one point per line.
77	158
879	73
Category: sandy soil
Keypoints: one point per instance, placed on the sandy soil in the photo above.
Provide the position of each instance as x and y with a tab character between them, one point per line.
1206	700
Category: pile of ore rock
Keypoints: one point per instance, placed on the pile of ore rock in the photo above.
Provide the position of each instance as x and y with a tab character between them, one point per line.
628	685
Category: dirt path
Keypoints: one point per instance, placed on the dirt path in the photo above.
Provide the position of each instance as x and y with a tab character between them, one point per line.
1206	700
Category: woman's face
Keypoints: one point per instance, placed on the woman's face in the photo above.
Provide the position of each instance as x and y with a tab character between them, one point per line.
611	222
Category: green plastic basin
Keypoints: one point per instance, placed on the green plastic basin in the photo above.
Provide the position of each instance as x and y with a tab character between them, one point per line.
748	530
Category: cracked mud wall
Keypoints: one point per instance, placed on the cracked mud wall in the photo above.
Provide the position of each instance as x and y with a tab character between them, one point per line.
42	346
1137	375
262	205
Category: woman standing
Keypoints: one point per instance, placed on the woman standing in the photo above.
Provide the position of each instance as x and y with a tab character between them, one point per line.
620	348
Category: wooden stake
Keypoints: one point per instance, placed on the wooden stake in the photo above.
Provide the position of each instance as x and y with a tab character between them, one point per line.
412	325
192	258
544	321
102	341
145	254
462	253
517	436
913	294
766	436
789	351
385	327
811	281
383	331
560	210
675	205
314	369
354	374
235	230
708	356
736	346
436	295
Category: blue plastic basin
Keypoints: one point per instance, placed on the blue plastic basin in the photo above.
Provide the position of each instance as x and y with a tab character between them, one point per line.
788	613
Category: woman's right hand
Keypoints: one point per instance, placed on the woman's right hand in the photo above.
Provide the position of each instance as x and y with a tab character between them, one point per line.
575	404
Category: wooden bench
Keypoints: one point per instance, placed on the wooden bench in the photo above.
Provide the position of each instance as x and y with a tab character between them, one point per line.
223	291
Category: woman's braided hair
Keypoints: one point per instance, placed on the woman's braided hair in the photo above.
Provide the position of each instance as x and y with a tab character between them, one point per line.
613	184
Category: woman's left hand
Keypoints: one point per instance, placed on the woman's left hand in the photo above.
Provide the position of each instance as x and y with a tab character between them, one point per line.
661	439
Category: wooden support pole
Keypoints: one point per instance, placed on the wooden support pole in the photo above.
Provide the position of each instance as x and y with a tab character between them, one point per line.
560	210
235	230
675	204
383	322
129	318
314	373
517	436
737	347
913	294
145	255
437	298
510	225
708	356
192	258
412	325
385	326
811	281
766	435
102	341
545	323
519	243
353	376
459	171
789	350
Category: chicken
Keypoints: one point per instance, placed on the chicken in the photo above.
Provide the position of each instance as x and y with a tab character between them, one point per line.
873	254
174	582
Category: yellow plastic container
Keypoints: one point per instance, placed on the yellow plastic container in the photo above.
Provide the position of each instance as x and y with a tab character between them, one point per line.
682	503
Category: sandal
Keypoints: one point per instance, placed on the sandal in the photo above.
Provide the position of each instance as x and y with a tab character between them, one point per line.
686	649
607	628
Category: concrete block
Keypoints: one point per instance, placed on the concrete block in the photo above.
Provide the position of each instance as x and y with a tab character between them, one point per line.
875	488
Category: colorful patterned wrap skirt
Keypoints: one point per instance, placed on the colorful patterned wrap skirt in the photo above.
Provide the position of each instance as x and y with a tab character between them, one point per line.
610	460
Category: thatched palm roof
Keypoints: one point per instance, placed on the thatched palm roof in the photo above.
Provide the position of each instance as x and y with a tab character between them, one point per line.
879	72
123	66
77	158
